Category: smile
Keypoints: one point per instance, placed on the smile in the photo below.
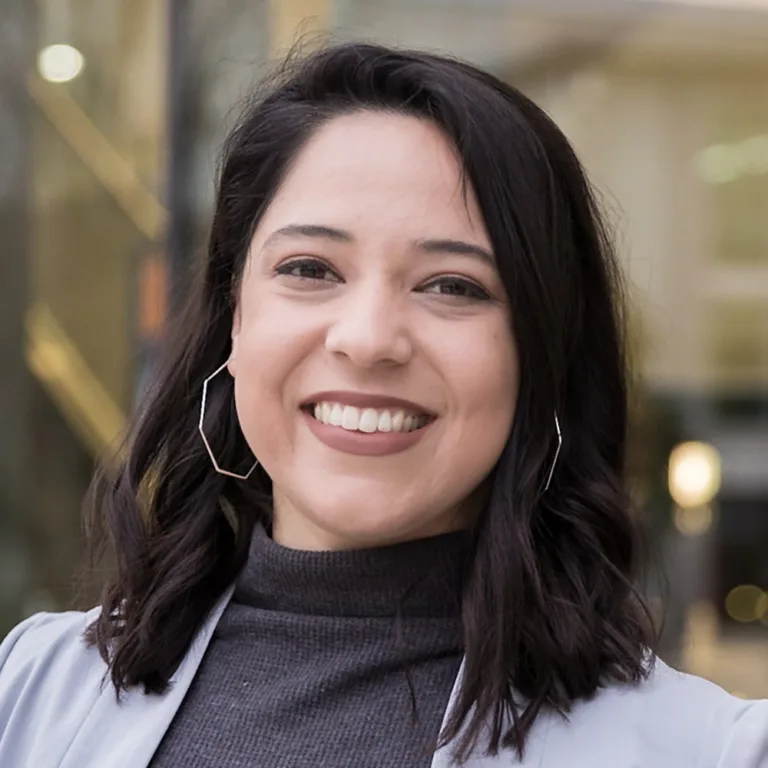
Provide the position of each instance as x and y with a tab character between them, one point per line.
368	420
366	425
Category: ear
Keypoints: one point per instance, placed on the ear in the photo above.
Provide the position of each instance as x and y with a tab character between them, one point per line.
232	362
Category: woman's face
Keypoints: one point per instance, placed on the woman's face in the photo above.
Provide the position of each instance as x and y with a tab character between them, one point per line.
375	368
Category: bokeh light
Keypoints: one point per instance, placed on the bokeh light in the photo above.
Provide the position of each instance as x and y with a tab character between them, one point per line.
694	474
693	521
60	63
746	603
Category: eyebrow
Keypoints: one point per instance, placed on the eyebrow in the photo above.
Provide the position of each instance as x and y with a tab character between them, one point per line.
436	246
458	247
309	230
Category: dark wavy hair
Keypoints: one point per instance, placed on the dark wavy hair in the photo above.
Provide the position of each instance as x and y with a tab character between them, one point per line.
550	607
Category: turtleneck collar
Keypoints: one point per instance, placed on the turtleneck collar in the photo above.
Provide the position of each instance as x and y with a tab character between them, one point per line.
421	578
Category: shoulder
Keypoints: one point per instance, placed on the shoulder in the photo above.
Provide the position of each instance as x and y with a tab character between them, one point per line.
675	720
724	730
57	703
43	641
49	677
46	628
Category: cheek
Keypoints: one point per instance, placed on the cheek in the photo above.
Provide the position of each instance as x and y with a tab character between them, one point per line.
274	338
482	375
271	347
256	394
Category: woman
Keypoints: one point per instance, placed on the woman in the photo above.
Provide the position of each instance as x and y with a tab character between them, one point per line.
373	513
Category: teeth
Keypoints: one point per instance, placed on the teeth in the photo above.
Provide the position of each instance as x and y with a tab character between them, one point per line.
368	420
385	422
335	416
351	418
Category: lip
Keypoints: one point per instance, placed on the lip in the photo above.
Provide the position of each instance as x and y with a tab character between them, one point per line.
363	443
363	400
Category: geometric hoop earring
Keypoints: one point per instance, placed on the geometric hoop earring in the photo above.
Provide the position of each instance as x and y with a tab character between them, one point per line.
557	452
205	439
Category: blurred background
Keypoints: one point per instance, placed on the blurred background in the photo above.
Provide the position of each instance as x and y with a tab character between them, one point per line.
111	116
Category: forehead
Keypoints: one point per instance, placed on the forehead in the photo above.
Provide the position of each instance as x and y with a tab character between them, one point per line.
376	170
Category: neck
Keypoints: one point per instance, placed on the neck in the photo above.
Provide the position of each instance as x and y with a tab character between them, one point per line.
422	577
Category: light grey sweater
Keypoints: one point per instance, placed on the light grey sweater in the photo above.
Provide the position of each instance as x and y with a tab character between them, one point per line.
307	666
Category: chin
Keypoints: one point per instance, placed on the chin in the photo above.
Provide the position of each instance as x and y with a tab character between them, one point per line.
362	526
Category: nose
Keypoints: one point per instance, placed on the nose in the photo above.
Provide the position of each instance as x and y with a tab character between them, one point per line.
369	329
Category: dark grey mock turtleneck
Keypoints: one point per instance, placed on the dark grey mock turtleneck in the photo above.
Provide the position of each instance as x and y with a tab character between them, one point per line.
306	667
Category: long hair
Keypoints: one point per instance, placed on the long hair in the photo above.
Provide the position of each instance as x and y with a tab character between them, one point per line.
550	610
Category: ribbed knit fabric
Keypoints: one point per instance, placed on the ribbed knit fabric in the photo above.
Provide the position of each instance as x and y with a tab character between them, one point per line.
306	667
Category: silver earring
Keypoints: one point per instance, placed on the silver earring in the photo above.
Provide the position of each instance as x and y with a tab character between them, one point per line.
557	452
205	439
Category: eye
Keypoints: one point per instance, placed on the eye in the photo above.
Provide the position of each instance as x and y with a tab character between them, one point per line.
308	269
456	287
